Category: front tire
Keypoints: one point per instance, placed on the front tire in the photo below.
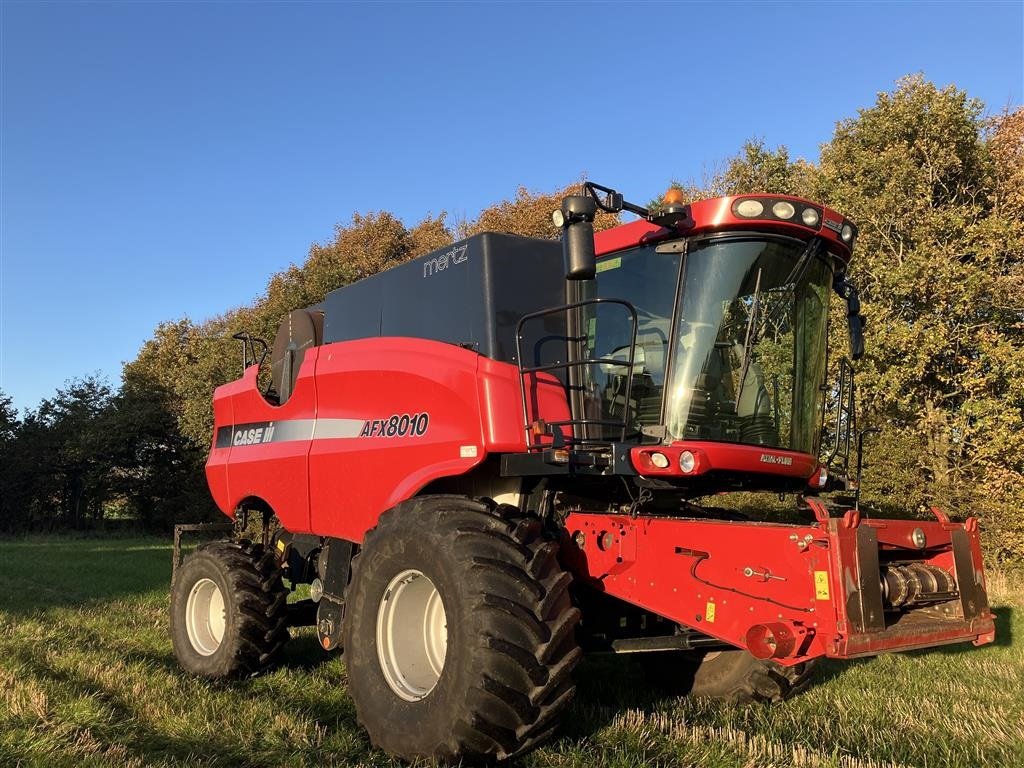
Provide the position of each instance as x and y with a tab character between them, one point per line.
459	632
228	610
734	676
737	677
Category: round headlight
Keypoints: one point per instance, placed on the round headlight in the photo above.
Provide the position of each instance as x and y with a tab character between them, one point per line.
750	208
687	462
846	233
660	460
810	217
918	538
784	210
558	218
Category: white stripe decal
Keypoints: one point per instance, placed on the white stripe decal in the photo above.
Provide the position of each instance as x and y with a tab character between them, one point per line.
329	429
291	430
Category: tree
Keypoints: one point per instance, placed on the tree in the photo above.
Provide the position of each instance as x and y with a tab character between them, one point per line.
758	169
754	169
159	472
11	501
80	460
529	215
937	243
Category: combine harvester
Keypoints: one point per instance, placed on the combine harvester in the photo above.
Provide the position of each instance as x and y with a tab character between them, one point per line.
504	454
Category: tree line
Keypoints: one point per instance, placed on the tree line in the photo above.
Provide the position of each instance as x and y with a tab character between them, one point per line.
935	185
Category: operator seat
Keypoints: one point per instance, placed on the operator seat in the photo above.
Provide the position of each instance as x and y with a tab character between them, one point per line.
754	404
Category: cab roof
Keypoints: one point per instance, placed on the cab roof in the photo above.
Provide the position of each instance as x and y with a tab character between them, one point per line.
735	213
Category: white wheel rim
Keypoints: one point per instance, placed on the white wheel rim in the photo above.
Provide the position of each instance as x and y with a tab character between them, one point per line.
412	635
204	617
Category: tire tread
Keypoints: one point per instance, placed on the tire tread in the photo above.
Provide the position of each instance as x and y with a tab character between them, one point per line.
528	648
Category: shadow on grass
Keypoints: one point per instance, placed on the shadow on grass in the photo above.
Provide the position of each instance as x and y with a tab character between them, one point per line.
79	572
606	687
131	730
124	720
303	652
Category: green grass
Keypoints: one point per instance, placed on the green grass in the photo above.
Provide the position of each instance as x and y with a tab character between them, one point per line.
87	678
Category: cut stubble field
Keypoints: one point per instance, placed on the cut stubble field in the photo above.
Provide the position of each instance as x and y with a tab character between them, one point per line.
87	678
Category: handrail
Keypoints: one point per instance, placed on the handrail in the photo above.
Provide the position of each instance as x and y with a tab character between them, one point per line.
570	363
845	407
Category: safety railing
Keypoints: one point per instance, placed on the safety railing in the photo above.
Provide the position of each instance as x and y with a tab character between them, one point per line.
578	427
846	419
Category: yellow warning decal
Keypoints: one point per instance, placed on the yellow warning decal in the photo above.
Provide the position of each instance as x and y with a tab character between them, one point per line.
821	585
280	545
606	264
709	613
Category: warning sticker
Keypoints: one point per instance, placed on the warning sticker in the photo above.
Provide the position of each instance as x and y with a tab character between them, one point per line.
709	613
821	585
606	264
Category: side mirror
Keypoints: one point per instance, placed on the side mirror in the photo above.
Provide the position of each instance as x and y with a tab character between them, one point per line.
855	321
576	220
856	325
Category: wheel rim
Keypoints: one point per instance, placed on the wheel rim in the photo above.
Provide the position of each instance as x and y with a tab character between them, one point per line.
204	617
412	635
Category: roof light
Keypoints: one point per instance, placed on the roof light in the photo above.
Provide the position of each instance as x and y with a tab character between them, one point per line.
846	233
810	217
748	209
784	210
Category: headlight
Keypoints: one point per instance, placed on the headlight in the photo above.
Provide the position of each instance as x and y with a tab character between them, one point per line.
846	233
810	217
919	539
687	462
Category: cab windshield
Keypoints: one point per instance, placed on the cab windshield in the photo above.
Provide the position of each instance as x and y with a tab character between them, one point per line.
730	341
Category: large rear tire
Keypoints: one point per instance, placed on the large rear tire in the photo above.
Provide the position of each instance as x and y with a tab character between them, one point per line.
459	632
228	610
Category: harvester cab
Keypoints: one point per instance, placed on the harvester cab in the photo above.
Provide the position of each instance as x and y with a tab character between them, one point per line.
493	458
726	355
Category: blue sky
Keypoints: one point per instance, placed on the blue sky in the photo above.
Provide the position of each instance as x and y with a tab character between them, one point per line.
164	159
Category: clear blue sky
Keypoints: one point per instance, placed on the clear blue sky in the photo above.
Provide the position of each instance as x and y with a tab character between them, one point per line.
162	160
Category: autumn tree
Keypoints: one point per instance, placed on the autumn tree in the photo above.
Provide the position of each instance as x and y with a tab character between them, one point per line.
944	372
529	215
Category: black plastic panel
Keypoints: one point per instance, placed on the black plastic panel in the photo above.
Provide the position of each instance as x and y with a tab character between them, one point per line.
973	600
471	293
865	605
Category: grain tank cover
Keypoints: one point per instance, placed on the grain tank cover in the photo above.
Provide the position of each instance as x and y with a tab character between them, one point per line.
470	293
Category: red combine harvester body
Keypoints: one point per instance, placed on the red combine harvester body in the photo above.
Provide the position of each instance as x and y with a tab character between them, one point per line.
493	458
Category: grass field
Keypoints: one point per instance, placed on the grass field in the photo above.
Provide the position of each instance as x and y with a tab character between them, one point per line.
87	678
